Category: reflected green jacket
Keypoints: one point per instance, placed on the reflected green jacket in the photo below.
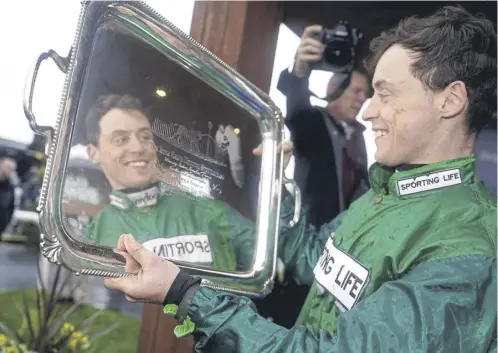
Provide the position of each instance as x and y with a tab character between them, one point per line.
177	225
410	268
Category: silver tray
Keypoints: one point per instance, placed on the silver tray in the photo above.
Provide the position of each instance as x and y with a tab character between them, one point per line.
154	137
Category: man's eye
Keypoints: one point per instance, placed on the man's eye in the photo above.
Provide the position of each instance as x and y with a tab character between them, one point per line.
121	140
146	138
383	96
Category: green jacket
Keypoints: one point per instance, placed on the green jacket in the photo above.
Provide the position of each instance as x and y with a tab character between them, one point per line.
410	268
177	225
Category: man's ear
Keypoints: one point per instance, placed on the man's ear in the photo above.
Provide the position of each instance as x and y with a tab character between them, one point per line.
453	100
93	153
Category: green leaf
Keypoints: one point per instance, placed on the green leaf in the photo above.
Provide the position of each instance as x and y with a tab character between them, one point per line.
27	315
184	329
104	331
83	326
58	325
12	334
170	309
88	322
40	298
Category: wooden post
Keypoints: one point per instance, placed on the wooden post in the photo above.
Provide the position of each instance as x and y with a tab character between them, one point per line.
244	35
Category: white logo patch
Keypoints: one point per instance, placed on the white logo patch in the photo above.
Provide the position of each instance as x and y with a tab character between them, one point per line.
341	275
186	248
428	182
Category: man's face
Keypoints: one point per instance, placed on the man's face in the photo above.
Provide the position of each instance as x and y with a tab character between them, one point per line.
7	167
125	151
348	105
402	113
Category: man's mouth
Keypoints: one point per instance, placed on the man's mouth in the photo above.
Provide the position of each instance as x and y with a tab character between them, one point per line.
137	164
379	133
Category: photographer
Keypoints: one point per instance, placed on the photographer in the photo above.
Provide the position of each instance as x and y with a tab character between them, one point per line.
331	163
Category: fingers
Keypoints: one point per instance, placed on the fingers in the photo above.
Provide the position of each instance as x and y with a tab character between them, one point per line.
258	151
140	254
121	244
126	285
310	58
285	147
310	50
310	30
311	46
130	299
131	265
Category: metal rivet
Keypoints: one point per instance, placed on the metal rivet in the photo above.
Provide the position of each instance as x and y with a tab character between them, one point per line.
377	199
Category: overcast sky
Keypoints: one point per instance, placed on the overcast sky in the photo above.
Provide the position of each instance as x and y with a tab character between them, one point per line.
31	27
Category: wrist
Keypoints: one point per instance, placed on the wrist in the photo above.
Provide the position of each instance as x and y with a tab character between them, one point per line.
297	68
180	286
299	71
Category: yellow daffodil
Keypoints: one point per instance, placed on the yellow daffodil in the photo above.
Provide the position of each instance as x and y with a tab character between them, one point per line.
11	349
73	344
78	339
67	328
3	340
77	335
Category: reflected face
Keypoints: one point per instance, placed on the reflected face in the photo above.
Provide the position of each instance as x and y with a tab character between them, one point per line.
350	102
7	167
126	149
402	112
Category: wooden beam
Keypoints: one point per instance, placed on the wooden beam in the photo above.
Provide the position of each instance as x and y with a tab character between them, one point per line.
244	35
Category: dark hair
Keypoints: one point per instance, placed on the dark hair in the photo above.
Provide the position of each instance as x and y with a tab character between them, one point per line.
102	106
451	45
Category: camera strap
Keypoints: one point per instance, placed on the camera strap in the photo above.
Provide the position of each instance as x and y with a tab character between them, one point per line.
339	90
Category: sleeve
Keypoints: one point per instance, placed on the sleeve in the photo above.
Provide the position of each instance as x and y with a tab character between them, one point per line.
301	246
445	307
297	93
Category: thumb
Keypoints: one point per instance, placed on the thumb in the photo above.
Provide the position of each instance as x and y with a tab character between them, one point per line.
287	146
123	284
140	254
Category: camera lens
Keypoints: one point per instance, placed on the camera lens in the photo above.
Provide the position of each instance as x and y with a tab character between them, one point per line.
337	53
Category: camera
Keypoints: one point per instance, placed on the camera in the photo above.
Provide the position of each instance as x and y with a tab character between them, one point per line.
340	43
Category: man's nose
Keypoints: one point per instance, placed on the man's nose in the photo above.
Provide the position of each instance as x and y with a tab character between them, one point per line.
136	145
370	112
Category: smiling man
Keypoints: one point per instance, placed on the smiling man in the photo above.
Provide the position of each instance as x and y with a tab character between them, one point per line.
411	268
174	225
